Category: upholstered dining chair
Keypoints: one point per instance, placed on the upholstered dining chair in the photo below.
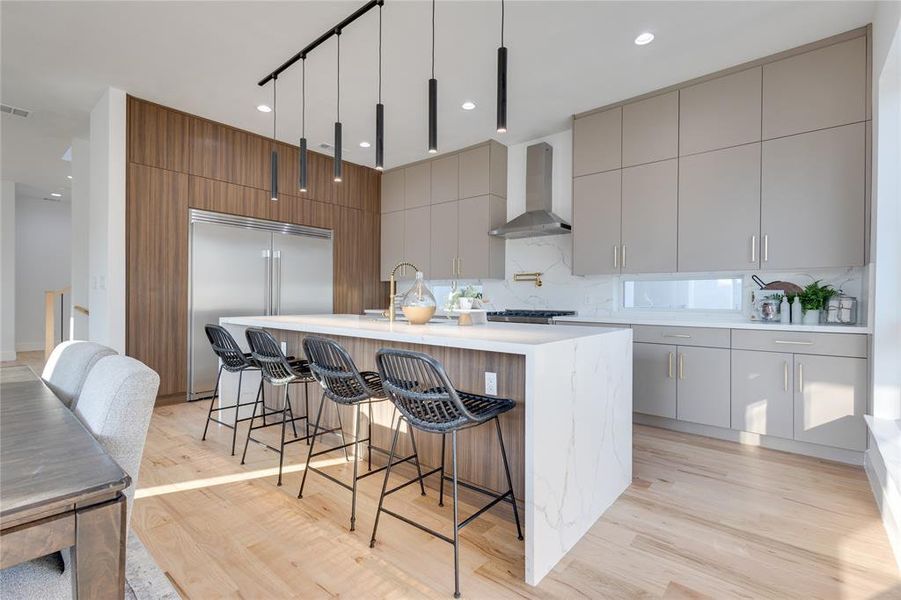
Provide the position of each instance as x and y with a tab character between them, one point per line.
115	404
68	367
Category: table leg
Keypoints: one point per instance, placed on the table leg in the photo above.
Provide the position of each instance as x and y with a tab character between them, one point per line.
98	556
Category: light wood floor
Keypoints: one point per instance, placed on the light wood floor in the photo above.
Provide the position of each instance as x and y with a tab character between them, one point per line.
702	519
34	360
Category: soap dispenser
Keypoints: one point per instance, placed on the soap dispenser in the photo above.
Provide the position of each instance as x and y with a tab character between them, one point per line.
784	310
796	310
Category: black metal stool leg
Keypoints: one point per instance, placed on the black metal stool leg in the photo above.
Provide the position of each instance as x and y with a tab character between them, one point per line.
237	408
369	438
456	519
291	412
416	460
253	418
306	409
441	485
378	512
306	468
353	500
341	427
500	438
281	454
212	402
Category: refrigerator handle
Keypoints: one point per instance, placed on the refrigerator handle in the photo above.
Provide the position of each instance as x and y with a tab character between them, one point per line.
277	273
268	287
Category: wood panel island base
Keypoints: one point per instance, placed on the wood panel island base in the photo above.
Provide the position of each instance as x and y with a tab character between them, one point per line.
569	437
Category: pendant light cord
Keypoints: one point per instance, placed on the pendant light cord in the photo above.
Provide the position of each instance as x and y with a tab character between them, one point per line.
502	23
274	111
433	39
338	70
380	53
303	98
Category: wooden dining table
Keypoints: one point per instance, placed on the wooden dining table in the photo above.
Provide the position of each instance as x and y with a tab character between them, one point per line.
59	489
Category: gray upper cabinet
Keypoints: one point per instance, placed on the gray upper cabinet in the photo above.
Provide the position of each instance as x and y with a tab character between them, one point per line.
392	234
597	142
817	89
444	240
393	190
417	238
445	179
480	256
475	172
719	210
813	199
651	129
649	201
830	400
702	393
654	379
720	113
418	186
762	397
597	206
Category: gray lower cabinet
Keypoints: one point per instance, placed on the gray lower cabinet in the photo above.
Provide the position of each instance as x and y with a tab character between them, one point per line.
597	207
649	207
654	379
762	396
830	399
703	388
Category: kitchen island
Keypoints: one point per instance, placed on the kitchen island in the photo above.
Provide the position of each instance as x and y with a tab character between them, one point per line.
569	438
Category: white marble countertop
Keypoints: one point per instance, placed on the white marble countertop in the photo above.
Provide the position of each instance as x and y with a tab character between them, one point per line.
513	338
712	321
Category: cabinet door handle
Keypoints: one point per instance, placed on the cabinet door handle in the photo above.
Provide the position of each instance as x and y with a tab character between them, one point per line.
785	376
681	366
454	266
753	248
460	266
677	335
624	256
766	247
615	256
800	377
669	360
793	342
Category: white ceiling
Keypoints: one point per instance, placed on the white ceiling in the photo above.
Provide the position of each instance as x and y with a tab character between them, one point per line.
206	58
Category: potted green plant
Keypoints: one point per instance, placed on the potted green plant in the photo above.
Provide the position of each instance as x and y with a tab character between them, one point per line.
813	299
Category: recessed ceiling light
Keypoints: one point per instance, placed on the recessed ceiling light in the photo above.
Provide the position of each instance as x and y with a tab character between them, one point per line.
468	105
644	38
56	195
364	144
68	177
265	108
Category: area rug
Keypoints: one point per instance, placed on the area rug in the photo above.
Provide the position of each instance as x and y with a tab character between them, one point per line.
143	577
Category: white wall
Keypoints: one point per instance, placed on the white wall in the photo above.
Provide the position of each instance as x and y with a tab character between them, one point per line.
80	278
887	211
7	270
42	263
107	221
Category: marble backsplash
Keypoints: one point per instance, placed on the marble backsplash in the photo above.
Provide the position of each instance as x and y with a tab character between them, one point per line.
601	295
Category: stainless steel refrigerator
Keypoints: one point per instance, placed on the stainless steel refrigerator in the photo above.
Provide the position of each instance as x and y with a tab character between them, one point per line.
241	266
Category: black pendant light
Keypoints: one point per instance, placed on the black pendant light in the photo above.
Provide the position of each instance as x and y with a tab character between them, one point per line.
380	111
433	96
338	114
302	166
502	80
274	165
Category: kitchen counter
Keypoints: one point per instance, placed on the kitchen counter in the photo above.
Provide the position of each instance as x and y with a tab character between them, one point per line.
712	321
569	439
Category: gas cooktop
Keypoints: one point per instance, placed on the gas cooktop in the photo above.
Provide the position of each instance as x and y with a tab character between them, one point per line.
528	316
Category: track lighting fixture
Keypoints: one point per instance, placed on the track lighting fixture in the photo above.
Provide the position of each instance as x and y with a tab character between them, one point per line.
302	166
274	164
380	111
502	80
338	111
433	96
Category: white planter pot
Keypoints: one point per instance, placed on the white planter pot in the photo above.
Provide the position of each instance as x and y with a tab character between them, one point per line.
811	317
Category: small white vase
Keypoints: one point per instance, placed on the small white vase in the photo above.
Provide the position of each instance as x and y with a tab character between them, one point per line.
811	317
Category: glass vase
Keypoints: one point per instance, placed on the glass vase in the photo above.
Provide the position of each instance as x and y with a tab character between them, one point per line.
418	303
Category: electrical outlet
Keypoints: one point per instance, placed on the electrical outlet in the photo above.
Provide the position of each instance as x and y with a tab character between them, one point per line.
285	348
490	383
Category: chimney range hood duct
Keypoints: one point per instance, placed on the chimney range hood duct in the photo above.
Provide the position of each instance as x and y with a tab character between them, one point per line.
539	219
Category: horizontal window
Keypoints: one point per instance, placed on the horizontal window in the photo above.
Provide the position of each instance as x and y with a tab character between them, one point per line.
683	294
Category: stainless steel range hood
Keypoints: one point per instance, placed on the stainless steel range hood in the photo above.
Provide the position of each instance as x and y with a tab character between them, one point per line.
539	219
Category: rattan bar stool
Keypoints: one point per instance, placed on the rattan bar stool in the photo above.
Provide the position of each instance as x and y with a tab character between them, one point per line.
345	385
233	360
277	370
423	393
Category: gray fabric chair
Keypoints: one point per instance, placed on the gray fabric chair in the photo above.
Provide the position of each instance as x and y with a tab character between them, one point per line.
115	404
68	367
